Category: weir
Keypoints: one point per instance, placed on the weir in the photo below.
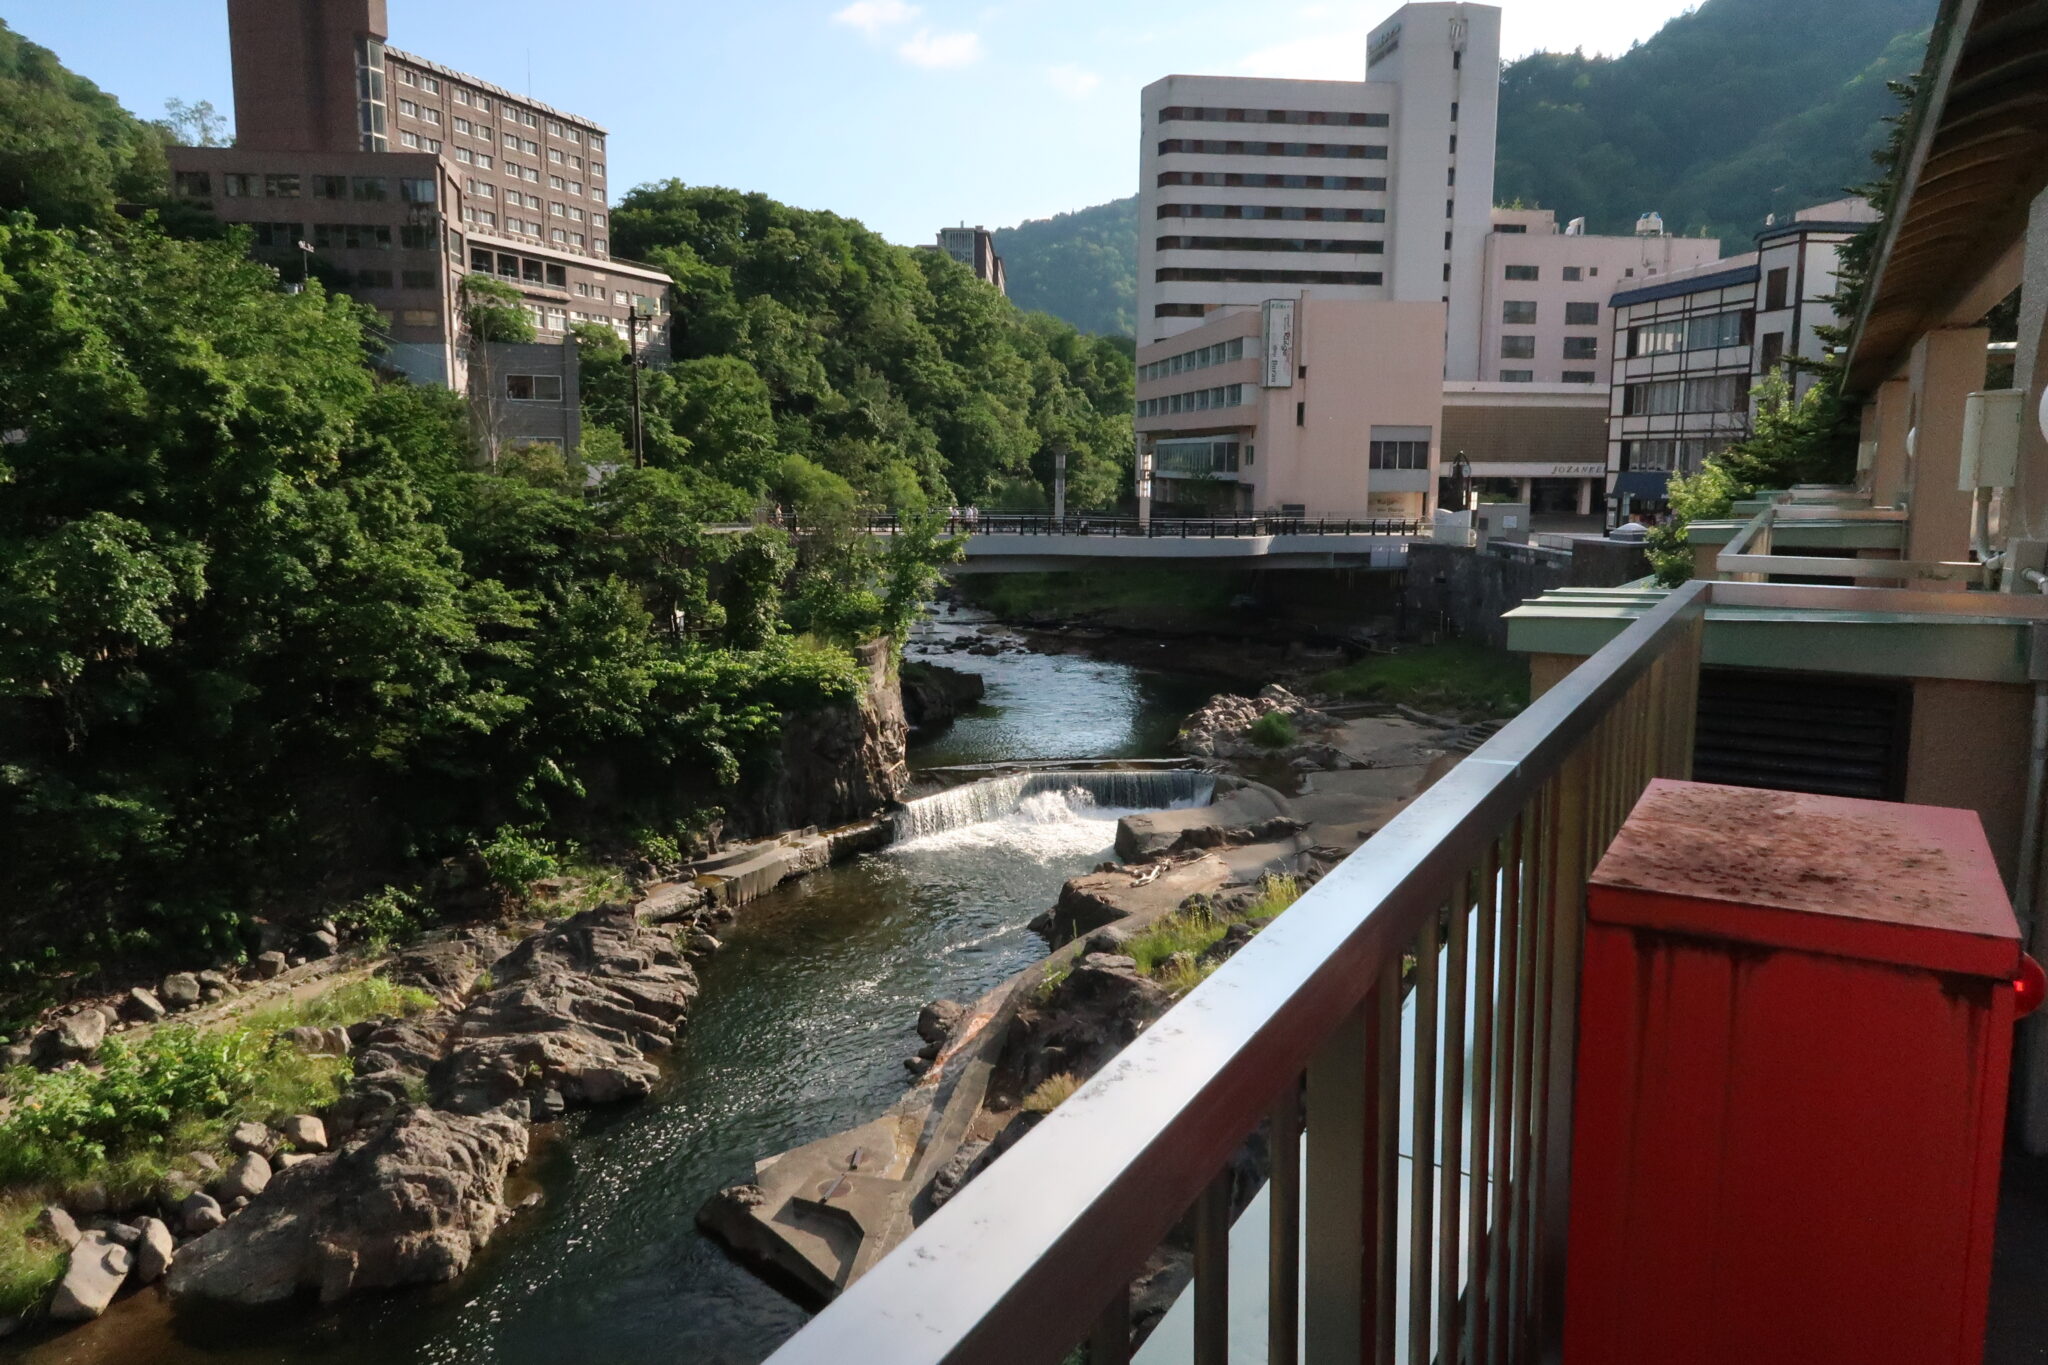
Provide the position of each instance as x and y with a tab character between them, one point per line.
1002	796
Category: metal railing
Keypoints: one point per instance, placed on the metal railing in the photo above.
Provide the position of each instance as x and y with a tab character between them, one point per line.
1750	556
1464	916
1182	528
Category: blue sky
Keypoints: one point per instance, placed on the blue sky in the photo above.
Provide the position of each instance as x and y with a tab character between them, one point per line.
906	114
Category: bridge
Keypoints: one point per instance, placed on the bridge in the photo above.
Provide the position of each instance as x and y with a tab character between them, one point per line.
1038	544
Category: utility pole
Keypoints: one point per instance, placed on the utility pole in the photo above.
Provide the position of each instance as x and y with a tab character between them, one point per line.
1059	483
633	321
305	264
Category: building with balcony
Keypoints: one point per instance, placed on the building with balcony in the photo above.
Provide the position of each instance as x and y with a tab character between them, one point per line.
1319	408
1688	348
1395	1126
392	177
1379	189
975	248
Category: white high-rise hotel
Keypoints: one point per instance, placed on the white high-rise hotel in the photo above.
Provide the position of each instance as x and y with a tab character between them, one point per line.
1372	190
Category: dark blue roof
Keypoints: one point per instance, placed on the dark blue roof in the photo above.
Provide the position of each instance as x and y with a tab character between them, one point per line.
1688	284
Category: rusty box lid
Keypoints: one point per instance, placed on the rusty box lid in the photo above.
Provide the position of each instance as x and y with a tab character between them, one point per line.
1911	885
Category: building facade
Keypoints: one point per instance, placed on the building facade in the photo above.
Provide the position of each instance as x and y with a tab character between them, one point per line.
1545	314
1691	347
1312	407
1372	190
975	248
392	177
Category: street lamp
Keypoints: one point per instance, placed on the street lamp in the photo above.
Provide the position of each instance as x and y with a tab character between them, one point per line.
305	263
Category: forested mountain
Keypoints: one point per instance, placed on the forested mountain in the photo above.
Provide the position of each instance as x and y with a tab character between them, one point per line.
1737	109
68	149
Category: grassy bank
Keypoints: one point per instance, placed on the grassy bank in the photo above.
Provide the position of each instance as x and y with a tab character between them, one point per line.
138	1114
1456	676
1177	593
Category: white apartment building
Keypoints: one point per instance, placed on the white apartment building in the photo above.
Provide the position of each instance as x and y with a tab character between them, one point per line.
1545	315
1691	346
1379	189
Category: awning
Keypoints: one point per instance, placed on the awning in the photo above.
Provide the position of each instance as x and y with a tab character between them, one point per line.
1642	483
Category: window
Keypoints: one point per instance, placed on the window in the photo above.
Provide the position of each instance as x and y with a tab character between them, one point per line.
1518	311
1579	377
431	84
1774	348
533	201
575	239
575	215
554	128
371	187
351	236
1657	398
281	186
280	235
419	317
416	237
1518	348
1656	338
485	218
1719	329
577	162
1397	455
1510	229
512	141
1521	272
431	115
483	161
463	155
1173	275
417	279
407	78
534	388
1346	245
483	102
461	96
559	235
597	168
407	107
555	182
1776	287
1582	315
193	185
596	142
529	118
1722	393
555	154
557	210
576	187
1582	348
1572	272
1517	376
372	279
599	245
531	174
463	125
558	276
416	190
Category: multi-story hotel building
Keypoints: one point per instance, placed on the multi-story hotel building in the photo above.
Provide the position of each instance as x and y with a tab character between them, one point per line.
1690	347
975	248
397	176
1376	189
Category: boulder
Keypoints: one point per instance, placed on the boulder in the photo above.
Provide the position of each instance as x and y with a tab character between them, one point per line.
575	1008
88	1200
320	943
252	1137
305	1133
180	990
965	1163
332	1041
290	1159
153	1251
213	985
142	1006
200	1214
74	1038
410	1203
246	1179
700	942
1089	1017
936	1021
16	1054
56	1223
127	1234
98	1268
268	965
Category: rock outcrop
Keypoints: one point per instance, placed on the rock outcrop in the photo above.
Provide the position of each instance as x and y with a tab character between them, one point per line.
98	1268
409	1203
1219	729
934	695
837	765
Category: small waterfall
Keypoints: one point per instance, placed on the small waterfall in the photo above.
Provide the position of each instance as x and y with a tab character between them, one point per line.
1000	797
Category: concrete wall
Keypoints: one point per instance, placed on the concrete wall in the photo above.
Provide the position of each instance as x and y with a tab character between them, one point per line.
1968	748
1452	592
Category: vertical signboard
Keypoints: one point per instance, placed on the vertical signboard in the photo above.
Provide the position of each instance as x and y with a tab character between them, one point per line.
1279	321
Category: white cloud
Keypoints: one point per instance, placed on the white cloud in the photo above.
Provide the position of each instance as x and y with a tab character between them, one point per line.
872	16
1338	56
1073	81
934	50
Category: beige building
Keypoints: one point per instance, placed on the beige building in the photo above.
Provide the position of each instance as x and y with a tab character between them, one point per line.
975	248
391	177
1312	407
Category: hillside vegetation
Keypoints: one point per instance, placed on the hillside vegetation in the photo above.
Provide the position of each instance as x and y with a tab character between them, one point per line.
1738	109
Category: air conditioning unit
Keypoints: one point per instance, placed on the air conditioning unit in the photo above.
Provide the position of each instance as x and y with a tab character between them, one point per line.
1991	440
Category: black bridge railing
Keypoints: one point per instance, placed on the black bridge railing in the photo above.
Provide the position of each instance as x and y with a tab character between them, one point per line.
1173	528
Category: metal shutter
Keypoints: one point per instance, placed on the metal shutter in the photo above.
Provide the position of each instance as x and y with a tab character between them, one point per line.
1803	732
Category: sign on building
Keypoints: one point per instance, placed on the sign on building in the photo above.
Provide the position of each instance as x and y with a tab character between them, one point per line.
1279	338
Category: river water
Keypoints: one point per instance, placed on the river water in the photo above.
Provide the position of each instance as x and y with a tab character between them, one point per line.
801	1030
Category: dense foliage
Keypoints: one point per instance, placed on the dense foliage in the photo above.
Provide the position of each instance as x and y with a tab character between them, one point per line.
1734	110
68	151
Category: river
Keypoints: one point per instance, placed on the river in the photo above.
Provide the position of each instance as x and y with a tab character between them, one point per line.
801	1030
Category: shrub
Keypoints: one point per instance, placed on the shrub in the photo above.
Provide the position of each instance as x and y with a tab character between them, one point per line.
1275	895
29	1264
1274	730
517	858
1051	1093
1180	932
389	916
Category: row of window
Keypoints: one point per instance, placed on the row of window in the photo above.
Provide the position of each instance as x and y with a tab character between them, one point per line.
513	142
1522	312
1529	377
1222	353
1668	335
1259	180
533	388
1201	400
1185	275
1678	456
1195	457
514	199
345	237
1292	213
1663	397
1398	455
1196	114
481	102
1569	272
1357	246
1524	348
287	185
1342	151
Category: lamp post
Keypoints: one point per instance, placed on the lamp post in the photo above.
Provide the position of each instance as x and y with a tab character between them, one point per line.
305	264
1461	479
633	321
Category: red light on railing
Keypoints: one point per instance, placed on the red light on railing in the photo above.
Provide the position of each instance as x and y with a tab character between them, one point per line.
2030	986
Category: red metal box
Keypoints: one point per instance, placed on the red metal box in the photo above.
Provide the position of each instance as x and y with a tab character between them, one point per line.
1795	1020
